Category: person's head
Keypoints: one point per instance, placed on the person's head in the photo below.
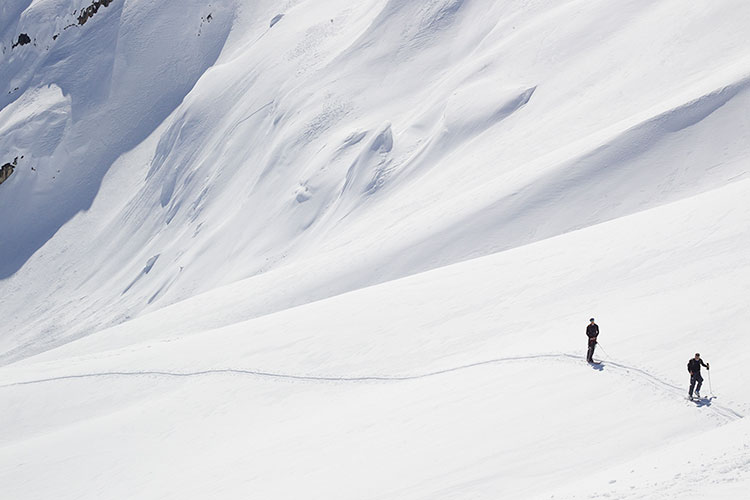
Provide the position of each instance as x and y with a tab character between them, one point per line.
697	356
592	320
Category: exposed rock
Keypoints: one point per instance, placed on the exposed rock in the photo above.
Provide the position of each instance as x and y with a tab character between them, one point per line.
204	20
23	39
6	171
92	9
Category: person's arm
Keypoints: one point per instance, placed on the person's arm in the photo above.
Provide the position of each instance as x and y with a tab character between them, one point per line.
705	364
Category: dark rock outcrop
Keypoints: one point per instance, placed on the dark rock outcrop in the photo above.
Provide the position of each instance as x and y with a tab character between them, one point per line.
6	171
92	9
23	39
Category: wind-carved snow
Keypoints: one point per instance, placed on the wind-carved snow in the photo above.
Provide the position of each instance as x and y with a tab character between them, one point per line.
362	236
276	19
114	106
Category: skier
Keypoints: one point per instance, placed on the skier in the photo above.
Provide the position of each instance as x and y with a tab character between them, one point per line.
592	331
694	367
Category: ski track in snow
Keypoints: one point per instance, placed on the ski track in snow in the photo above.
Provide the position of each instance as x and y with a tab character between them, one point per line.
727	414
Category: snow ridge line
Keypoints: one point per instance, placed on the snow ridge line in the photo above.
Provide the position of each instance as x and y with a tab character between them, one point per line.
726	413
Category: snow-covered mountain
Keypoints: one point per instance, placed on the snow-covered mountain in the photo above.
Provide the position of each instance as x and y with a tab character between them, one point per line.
349	249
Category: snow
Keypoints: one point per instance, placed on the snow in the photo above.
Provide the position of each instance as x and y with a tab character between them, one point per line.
349	250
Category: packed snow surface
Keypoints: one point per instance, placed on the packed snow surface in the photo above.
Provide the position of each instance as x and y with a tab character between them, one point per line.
348	250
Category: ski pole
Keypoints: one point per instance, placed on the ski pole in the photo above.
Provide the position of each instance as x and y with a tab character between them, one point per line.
604	351
709	382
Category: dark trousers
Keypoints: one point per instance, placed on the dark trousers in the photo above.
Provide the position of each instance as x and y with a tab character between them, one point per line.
590	354
693	379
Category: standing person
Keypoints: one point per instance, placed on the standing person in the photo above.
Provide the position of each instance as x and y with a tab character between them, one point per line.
694	367
592	331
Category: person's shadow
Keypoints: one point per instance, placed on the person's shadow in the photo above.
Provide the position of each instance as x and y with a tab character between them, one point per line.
703	401
597	366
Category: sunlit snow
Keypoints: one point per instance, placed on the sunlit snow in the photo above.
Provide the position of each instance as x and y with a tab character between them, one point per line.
348	250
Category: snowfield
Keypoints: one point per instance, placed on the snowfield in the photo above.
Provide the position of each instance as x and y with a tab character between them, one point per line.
329	249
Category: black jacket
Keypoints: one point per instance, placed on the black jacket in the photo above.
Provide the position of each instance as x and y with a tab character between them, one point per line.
592	331
694	365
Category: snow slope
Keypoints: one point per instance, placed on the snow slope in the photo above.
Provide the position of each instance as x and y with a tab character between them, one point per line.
359	242
463	382
398	138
